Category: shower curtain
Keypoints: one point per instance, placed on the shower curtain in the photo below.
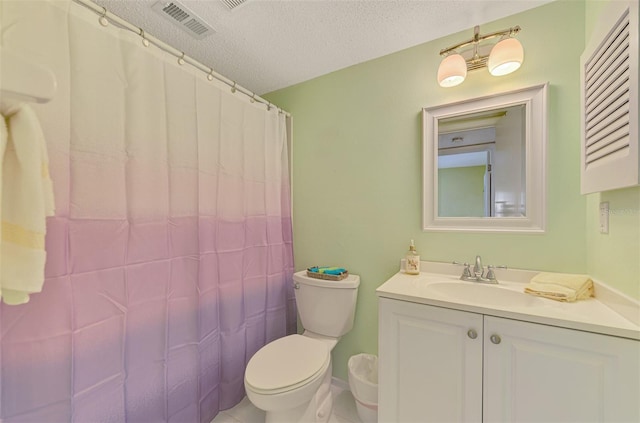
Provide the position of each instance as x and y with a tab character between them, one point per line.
169	260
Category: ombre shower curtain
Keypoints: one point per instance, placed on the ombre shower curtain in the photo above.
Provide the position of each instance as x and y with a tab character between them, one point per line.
170	255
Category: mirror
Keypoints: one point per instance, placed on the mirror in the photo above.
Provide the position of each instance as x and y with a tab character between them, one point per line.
484	163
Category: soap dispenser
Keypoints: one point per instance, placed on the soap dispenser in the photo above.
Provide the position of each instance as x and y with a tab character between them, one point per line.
412	262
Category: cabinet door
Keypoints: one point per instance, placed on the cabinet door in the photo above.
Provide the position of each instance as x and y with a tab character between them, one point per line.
430	367
539	373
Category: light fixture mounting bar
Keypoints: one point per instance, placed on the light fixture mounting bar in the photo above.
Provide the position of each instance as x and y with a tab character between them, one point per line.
477	38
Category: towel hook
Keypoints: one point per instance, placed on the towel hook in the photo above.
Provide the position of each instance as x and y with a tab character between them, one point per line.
103	18
210	75
233	89
145	42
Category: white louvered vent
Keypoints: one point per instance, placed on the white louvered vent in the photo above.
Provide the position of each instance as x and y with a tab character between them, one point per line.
180	15
232	4
607	97
610	80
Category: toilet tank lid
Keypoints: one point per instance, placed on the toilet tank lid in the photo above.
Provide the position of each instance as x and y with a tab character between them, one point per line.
351	281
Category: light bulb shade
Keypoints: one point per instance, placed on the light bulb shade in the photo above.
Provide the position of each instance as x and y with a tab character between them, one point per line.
505	57
452	71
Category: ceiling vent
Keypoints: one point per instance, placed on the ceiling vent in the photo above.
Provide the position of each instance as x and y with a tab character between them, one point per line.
180	15
232	4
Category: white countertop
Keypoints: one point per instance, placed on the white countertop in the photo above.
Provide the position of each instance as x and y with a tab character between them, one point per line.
600	314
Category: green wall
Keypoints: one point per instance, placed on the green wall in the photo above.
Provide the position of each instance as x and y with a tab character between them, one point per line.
613	257
461	191
357	165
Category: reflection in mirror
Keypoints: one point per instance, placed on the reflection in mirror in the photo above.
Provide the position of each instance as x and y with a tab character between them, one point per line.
481	164
484	163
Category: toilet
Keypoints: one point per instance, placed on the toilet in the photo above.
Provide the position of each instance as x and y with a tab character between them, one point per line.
290	378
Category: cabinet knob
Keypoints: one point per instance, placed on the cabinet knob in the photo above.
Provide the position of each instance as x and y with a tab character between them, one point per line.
471	333
495	339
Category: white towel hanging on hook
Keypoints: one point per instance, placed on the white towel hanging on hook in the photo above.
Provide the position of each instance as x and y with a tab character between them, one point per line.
23	80
26	199
26	194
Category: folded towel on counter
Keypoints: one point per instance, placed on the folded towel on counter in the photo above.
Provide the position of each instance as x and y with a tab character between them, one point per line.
560	286
327	270
26	199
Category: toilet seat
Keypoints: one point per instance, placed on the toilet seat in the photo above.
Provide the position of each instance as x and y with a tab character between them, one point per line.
287	364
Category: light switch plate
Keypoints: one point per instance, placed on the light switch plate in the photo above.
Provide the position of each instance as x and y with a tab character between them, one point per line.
604	217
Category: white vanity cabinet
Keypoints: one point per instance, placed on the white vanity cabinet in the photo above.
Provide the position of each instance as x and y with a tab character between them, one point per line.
442	365
539	373
430	364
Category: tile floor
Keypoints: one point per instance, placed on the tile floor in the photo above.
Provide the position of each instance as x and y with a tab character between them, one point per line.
344	410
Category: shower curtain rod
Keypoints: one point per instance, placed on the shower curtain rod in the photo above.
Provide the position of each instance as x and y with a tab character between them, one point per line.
106	16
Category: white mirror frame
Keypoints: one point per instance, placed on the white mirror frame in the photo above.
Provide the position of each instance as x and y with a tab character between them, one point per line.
535	101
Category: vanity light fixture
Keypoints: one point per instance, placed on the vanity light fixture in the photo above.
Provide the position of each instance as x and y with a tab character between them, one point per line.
505	57
452	70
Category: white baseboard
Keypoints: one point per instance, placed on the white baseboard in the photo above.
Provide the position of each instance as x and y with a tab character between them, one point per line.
340	383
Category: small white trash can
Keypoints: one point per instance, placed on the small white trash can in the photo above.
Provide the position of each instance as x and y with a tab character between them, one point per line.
363	382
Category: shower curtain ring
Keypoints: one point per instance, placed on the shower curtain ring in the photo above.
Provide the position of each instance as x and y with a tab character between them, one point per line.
210	75
103	18
233	89
269	107
253	98
145	42
181	59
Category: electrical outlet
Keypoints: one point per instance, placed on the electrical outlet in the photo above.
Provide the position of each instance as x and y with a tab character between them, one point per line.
604	217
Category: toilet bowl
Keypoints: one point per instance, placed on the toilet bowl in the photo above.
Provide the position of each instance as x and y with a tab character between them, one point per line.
290	378
284	379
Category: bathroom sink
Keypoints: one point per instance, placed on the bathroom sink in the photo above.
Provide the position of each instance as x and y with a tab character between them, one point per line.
477	293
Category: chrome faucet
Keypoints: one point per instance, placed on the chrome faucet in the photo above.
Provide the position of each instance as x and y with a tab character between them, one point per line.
478	269
478	274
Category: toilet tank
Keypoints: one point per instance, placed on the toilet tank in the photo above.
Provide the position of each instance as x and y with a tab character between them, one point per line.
326	307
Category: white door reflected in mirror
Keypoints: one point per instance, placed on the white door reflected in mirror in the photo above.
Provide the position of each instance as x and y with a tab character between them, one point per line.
481	164
484	164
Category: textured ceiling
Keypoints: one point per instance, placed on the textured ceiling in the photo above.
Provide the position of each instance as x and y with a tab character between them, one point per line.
265	45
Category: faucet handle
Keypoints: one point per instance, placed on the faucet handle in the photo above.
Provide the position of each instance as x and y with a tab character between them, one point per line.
466	272
491	274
